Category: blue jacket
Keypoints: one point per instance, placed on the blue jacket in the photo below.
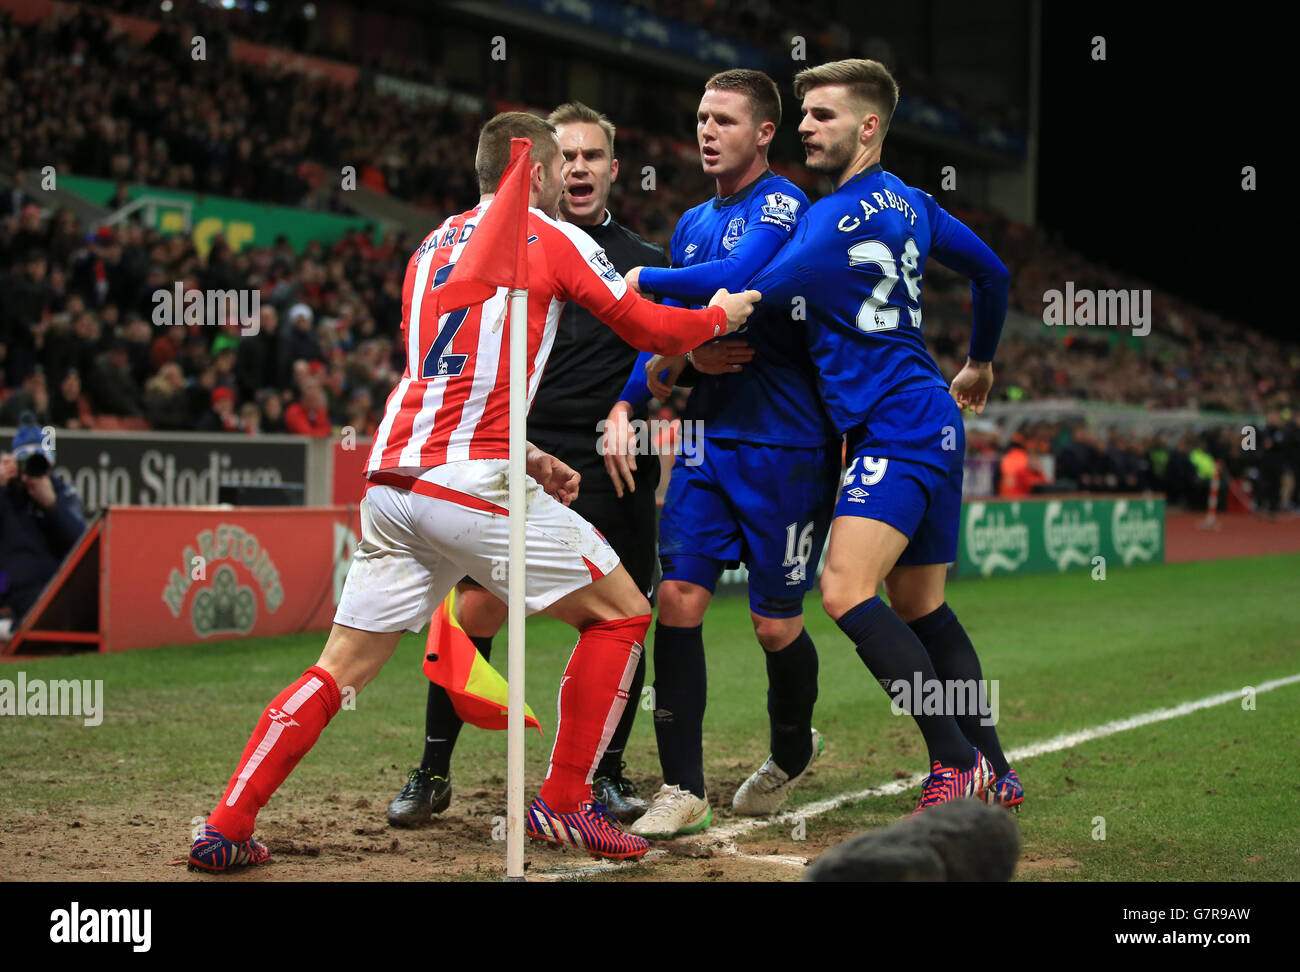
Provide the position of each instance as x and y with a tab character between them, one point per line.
34	540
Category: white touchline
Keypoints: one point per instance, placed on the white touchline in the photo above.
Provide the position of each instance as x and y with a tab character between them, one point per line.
726	833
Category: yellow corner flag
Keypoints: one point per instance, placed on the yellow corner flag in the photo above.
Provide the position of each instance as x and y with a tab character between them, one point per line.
477	690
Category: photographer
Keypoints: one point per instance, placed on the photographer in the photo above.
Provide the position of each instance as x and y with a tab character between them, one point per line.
40	519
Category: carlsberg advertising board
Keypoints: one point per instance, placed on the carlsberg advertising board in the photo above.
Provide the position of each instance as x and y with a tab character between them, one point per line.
1050	535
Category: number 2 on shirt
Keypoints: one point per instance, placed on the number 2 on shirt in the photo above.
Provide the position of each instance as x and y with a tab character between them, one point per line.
437	363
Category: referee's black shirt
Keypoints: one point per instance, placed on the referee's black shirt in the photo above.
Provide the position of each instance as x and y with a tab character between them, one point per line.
588	366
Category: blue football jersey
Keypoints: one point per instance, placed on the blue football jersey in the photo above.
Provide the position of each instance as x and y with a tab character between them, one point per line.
773	399
854	267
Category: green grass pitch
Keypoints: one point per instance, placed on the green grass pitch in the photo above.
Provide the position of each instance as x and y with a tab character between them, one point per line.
1210	795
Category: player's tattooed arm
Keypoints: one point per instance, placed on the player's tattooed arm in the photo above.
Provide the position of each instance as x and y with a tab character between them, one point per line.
553	476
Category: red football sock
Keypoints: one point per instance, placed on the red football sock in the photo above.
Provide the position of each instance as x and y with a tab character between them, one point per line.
288	728
593	695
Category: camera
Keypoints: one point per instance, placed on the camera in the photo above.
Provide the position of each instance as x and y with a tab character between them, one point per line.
37	464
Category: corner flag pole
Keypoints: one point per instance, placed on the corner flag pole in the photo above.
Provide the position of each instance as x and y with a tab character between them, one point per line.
516	578
496	255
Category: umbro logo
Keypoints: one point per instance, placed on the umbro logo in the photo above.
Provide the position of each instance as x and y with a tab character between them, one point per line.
282	717
856	494
691	249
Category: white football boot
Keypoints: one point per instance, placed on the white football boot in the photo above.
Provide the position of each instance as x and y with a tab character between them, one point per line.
673	812
764	792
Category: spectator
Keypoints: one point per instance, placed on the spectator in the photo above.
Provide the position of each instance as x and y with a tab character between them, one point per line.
250	418
272	412
220	416
302	343
224	349
360	414
166	400
1019	473
70	409
262	360
1078	463
40	519
113	389
32	397
311	415
25	298
15	197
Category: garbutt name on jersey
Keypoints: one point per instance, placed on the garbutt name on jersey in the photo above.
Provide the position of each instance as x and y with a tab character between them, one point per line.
886	200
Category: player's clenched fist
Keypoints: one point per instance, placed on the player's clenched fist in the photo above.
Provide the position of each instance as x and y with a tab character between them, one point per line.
553	476
737	306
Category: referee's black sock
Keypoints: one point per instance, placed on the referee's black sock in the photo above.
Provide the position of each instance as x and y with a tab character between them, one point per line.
611	764
955	661
893	653
791	693
681	690
442	725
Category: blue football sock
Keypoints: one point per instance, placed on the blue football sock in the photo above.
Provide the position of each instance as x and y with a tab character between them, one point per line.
791	693
681	690
894	654
955	660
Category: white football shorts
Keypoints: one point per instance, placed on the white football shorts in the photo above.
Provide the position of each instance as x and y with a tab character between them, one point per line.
422	530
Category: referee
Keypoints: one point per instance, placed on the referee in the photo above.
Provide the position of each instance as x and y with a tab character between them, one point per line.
588	367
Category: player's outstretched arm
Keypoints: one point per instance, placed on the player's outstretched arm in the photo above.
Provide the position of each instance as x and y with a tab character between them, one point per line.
692	284
581	272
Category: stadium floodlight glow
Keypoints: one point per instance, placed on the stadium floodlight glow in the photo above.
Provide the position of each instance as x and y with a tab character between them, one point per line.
309	11
166	6
228	4
261	6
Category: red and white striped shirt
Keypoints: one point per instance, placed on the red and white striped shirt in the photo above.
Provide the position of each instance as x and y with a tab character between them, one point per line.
453	401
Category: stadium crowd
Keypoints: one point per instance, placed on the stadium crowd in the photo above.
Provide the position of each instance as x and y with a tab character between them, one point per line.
78	346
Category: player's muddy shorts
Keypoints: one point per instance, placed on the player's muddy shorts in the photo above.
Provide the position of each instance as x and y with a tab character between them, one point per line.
423	530
905	469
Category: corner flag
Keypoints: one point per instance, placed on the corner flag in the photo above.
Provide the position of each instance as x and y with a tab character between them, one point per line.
476	689
496	254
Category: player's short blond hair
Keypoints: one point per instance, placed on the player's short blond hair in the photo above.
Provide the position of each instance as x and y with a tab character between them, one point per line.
494	145
576	111
868	81
762	92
